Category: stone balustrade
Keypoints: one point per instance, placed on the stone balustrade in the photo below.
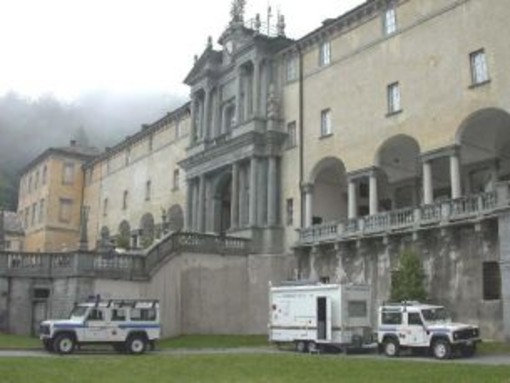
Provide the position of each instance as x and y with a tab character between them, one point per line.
439	213
133	266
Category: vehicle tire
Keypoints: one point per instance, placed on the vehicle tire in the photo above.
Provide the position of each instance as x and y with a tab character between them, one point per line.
391	347
313	348
468	351
136	344
441	349
48	345
301	346
64	344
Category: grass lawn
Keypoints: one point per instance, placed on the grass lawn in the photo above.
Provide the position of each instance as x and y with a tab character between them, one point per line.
239	368
9	341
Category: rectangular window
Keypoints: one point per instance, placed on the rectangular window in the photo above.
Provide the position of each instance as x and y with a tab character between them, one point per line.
290	212
148	191
414	319
125	200
491	281
36	184
394	98
34	209
292	68
177	129
390	20
291	135
143	314
27	212
391	318
68	174
479	72
357	309
41	210
44	174
151	142
118	315
66	206
324	53
326	129
105	207
30	184
176	179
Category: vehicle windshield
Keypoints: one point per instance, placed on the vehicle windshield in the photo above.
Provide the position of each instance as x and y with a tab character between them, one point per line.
78	312
436	315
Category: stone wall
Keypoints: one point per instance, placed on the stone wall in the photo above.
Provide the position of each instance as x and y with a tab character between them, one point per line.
452	259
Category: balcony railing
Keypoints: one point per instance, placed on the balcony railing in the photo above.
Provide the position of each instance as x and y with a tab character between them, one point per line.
469	207
119	266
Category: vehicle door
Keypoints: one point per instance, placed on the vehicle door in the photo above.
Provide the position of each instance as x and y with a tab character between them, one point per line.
118	320
96	329
416	333
324	318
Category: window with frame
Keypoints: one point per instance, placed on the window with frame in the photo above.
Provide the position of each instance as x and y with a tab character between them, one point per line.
326	128
391	318
27	212
118	315
65	209
143	314
95	315
491	281
325	53
105	207
30	184
125	200
292	67
177	129
151	142
176	179
44	174
394	102
34	209
68	173
414	319
36	183
290	211
357	309
479	71
291	135
390	20
41	210
148	186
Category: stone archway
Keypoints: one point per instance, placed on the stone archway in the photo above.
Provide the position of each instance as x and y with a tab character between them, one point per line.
175	218
329	184
147	230
104	237
124	234
484	140
223	203
399	165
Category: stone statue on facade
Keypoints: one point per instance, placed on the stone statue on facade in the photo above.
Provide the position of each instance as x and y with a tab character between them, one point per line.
273	103
237	11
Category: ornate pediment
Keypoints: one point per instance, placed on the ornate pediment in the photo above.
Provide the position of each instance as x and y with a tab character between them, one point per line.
207	63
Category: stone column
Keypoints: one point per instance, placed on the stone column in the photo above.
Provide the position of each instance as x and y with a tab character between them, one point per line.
308	190
256	87
214	114
206	121
352	199
455	175
373	193
261	191
428	190
201	204
253	191
272	195
234	208
189	205
195	205
239	91
242	196
193	119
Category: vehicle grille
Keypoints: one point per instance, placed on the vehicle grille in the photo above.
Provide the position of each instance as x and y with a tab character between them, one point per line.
466	334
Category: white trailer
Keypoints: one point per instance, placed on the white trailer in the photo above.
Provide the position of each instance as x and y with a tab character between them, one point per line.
315	315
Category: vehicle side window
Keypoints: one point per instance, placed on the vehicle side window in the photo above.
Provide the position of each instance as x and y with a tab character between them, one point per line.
414	319
391	318
95	314
118	315
143	314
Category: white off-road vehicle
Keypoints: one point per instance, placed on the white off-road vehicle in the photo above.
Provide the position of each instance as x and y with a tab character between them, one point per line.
129	325
417	326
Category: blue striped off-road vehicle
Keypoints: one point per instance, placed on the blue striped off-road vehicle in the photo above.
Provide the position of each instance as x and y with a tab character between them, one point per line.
129	325
423	327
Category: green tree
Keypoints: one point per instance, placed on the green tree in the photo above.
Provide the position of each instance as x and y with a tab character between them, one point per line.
407	282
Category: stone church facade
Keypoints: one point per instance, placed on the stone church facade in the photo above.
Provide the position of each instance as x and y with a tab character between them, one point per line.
323	158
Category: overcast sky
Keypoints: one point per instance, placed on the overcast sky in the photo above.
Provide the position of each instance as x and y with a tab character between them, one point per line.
69	47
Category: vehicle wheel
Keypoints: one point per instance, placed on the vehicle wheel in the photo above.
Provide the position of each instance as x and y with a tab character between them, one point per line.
48	345
313	348
136	344
468	351
64	344
391	347
301	346
442	349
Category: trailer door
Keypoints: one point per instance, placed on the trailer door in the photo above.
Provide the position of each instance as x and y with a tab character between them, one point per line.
323	318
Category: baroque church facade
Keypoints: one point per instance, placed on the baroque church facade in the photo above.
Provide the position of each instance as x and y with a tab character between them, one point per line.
385	128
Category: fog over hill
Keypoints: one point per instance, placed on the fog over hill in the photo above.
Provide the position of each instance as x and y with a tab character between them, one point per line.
30	126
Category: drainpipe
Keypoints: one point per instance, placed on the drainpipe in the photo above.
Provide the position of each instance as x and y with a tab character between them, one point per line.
301	136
